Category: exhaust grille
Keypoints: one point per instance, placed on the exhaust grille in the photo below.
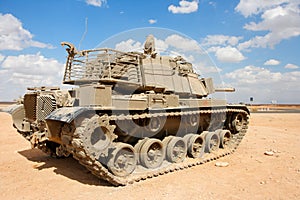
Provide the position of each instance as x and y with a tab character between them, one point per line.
45	105
30	106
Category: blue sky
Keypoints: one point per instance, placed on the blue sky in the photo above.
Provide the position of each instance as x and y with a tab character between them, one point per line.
253	44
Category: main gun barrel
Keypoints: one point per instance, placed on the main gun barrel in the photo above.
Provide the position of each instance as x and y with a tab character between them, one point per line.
225	89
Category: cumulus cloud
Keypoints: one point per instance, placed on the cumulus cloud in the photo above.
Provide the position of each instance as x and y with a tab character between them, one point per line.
34	64
254	7
97	3
129	45
252	74
264	85
208	69
160	45
152	21
255	42
133	45
212	40
27	70
224	47
280	18
229	54
182	43
272	62
14	37
175	42
291	66
184	7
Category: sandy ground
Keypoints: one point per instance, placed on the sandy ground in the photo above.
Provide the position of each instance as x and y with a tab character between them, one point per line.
29	174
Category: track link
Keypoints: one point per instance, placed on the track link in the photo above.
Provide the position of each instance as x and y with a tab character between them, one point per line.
87	159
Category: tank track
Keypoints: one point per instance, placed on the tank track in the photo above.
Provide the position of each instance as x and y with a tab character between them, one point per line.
38	143
88	160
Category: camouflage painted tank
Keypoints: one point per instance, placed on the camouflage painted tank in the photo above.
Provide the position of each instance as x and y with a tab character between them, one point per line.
131	116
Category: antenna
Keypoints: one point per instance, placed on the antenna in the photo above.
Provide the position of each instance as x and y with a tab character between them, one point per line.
85	32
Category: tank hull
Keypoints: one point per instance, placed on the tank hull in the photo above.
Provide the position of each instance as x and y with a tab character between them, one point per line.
72	131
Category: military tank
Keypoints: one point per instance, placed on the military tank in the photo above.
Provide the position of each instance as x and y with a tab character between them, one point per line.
131	115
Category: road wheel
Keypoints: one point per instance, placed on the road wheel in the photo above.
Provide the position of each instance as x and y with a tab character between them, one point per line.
123	160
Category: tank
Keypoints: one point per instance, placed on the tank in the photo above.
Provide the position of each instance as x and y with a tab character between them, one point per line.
131	115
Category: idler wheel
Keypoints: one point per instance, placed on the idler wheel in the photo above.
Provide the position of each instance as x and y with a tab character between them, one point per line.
212	142
154	124
195	145
176	149
123	160
237	122
193	120
152	153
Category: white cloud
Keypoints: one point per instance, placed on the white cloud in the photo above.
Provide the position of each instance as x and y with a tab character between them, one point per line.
184	7
229	54
172	42
280	18
152	21
212	49
208	69
160	45
34	64
272	62
254	7
129	45
14	37
251	74
182	43
19	72
224	47
256	42
97	3
291	66
264	85
212	40
188	57
133	45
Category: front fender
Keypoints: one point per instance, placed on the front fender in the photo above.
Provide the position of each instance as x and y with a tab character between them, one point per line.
66	114
55	122
18	114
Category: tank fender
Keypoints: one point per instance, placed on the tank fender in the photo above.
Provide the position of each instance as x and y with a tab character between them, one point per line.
12	108
66	114
240	106
17	112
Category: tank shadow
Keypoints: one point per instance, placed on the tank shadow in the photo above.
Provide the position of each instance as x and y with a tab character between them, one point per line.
68	167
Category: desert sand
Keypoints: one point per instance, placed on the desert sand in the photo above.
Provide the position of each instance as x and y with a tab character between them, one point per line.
27	173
